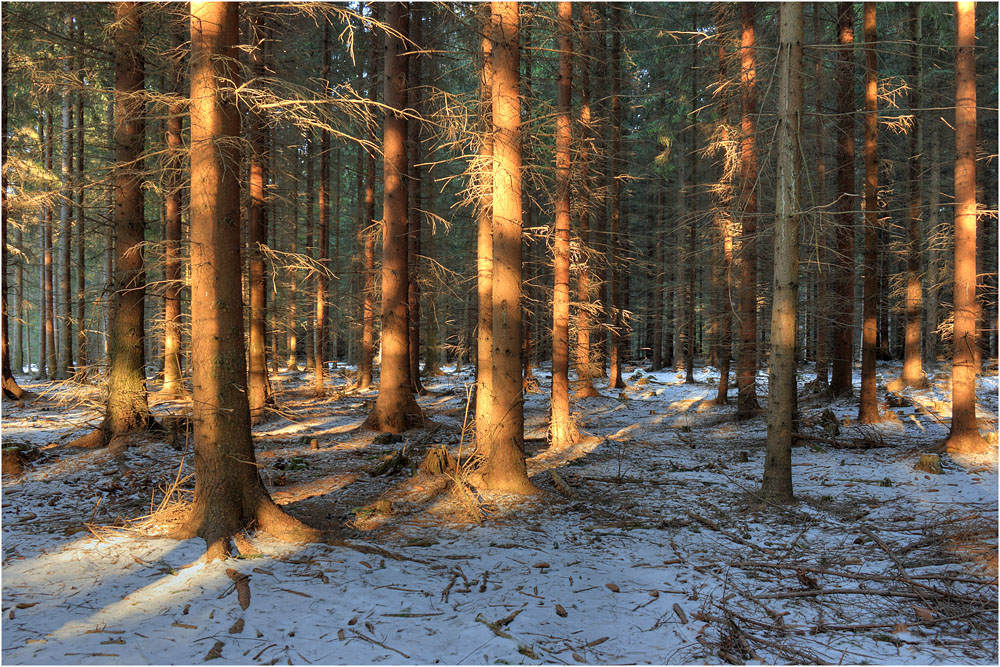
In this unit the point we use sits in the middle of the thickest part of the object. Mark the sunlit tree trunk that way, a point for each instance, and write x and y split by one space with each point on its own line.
964 436
746 358
868 408
310 248
484 251
777 484
504 468
913 372
841 381
395 408
585 276
368 262
171 242
229 496
563 431
292 336
724 228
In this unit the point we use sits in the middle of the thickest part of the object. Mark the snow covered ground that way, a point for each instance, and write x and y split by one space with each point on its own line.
660 552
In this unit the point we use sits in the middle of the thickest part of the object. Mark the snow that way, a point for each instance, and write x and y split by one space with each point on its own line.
665 555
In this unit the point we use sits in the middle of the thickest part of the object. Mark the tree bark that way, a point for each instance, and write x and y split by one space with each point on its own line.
64 359
172 383
964 436
822 305
395 408
504 468
746 359
841 380
563 431
777 484
414 213
323 243
484 252
616 315
585 276
913 372
50 312
81 257
259 392
229 495
368 303
868 408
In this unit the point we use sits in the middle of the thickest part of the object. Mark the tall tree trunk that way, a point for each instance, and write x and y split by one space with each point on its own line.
229 496
81 256
585 276
368 304
964 436
323 243
823 254
395 408
692 195
172 383
50 311
10 387
484 252
933 261
777 484
64 358
259 392
562 429
616 319
868 408
841 380
310 243
292 336
724 226
746 358
913 372
504 468
127 407
414 212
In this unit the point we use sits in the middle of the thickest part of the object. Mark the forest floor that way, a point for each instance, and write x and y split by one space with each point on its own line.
654 550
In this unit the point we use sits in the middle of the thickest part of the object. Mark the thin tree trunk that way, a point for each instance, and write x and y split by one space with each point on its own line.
746 359
258 385
50 311
310 248
368 304
689 350
868 408
395 408
172 384
616 319
932 282
777 483
64 358
563 431
822 305
964 436
724 227
81 257
585 276
913 372
841 380
323 250
414 212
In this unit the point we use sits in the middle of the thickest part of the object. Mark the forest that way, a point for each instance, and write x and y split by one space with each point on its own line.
500 332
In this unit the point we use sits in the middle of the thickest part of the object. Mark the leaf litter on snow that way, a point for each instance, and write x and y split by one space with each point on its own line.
661 552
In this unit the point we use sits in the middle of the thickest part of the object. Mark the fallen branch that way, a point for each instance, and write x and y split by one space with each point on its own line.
375 641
